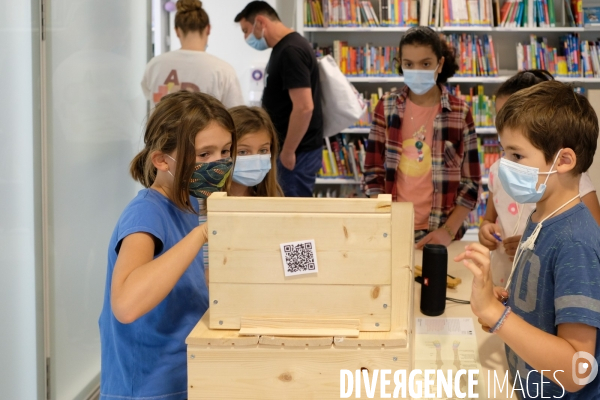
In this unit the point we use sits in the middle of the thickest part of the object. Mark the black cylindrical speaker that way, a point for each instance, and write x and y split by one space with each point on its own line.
433 289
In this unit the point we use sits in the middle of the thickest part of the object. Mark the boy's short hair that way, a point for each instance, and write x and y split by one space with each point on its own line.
552 117
255 8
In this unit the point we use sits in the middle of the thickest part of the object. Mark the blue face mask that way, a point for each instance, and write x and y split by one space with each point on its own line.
254 42
420 81
251 170
520 181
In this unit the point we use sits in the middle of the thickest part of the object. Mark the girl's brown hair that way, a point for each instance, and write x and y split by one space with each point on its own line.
190 16
425 36
523 80
173 125
255 119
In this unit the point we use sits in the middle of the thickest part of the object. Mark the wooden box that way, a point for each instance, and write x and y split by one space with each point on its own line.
267 336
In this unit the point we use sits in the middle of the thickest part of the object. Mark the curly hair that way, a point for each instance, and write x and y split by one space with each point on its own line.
425 36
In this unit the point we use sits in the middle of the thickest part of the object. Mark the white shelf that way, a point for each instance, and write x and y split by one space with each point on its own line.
337 181
355 131
498 29
466 79
471 235
399 79
359 29
582 80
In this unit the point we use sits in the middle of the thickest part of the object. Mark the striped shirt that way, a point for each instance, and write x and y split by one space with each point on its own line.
456 172
202 219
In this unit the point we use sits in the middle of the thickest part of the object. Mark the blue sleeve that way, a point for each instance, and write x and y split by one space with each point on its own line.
577 285
142 216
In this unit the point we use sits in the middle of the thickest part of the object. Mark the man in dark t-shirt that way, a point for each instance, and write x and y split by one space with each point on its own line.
291 96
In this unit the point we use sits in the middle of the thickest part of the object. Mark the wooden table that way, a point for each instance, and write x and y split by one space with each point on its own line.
491 348
232 366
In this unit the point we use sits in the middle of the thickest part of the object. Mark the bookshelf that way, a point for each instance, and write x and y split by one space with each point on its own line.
505 40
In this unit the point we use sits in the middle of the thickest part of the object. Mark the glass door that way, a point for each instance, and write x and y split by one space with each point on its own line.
95 54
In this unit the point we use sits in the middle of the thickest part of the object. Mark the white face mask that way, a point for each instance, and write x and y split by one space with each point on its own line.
256 43
520 181
420 81
251 170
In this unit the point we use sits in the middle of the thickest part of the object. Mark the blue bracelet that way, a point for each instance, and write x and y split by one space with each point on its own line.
500 322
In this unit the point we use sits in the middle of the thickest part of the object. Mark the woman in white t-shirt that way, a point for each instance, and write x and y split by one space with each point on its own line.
191 68
506 218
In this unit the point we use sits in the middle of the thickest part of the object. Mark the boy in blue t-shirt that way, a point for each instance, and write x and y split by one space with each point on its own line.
549 313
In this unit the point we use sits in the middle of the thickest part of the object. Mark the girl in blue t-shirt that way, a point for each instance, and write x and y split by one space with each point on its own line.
155 287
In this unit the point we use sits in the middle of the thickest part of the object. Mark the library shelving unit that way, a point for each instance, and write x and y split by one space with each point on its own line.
505 42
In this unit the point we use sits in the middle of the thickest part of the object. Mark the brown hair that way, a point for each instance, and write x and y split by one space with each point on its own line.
552 117
173 125
523 80
425 36
251 120
190 16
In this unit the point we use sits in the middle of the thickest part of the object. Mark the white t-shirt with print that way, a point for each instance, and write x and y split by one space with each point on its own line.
512 219
196 71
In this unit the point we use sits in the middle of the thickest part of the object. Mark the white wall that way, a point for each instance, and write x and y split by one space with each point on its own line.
594 98
21 326
227 40
97 51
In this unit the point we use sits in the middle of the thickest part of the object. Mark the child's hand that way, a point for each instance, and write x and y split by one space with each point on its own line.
439 236
501 295
511 244
484 302
486 235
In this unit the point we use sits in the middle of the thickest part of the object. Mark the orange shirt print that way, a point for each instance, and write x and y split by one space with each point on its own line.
172 85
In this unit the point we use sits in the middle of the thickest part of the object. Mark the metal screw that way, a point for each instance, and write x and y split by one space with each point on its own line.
385 235
395 358
215 301
220 322
192 356
376 323
214 232
384 306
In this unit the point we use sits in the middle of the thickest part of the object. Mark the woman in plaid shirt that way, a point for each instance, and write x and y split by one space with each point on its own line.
423 147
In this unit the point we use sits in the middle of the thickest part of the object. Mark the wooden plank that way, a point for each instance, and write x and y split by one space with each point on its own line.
220 202
299 323
300 332
402 265
232 301
265 232
279 372
291 341
201 335
368 267
373 339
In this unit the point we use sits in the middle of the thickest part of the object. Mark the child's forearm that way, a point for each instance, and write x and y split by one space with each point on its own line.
541 350
147 285
456 218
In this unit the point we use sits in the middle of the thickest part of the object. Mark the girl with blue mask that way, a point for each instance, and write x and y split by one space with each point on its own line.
422 147
156 289
255 173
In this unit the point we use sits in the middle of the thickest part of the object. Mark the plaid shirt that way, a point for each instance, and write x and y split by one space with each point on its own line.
455 160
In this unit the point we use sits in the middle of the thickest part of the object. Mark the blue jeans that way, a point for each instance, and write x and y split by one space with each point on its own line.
301 181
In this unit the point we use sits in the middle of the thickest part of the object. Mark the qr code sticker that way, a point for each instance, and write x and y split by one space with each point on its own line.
299 258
